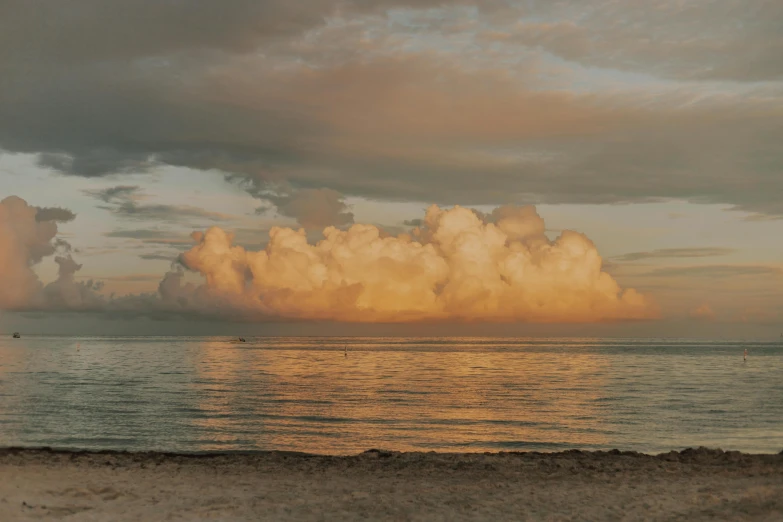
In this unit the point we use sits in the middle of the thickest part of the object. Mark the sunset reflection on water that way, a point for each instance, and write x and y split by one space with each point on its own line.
310 400
402 394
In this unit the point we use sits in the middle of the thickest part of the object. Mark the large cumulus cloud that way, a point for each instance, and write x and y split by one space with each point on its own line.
459 265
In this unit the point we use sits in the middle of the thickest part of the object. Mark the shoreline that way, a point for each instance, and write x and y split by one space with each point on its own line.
693 484
685 452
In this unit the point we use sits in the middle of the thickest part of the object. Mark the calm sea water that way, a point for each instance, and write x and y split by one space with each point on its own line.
304 394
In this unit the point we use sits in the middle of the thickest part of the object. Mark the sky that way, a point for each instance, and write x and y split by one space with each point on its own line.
392 167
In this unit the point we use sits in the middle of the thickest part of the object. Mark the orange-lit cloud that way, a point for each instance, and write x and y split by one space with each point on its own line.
23 242
27 235
458 265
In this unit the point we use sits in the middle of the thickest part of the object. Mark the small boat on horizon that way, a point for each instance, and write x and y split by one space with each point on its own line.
16 335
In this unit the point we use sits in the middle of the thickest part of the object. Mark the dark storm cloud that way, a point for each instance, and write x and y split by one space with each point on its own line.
109 87
665 253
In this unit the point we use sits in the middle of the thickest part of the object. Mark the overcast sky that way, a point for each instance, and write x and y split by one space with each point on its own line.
653 128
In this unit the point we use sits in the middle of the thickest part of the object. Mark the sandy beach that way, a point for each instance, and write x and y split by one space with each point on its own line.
702 484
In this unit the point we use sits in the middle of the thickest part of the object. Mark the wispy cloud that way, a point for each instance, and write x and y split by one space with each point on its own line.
125 202
666 253
144 233
134 278
60 215
120 192
158 256
167 213
152 236
716 271
763 217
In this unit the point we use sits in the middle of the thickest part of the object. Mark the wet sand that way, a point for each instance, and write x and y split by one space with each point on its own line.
376 485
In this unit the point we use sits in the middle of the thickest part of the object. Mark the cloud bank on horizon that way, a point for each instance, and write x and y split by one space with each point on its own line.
459 265
452 101
159 118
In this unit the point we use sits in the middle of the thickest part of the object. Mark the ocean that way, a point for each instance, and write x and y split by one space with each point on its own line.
197 394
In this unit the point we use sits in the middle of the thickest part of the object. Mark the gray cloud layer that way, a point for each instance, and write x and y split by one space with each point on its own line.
113 87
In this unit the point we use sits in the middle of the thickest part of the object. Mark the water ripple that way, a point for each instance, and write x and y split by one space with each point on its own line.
303 394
